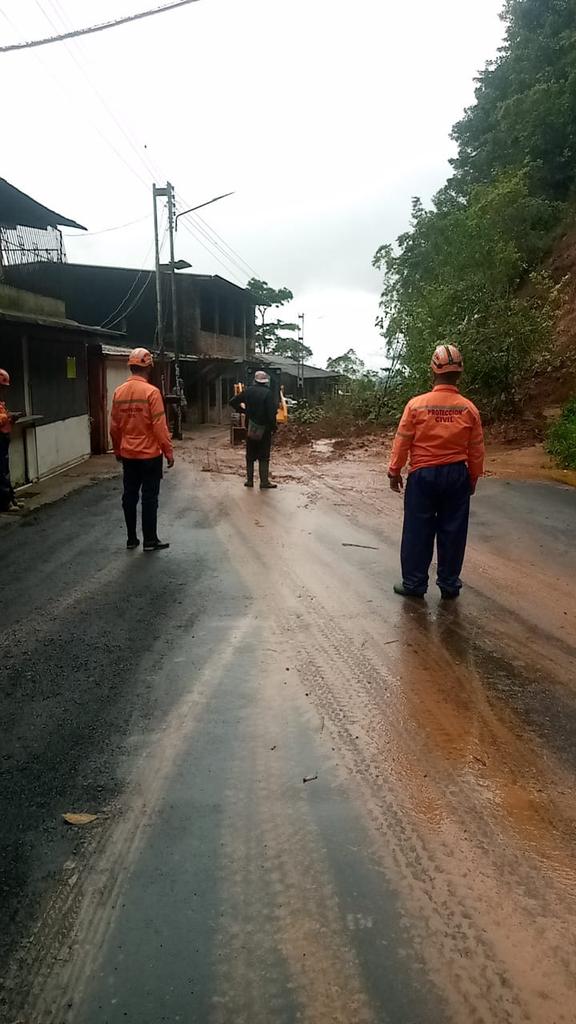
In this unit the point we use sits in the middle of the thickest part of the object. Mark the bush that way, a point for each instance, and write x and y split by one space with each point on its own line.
562 437
305 414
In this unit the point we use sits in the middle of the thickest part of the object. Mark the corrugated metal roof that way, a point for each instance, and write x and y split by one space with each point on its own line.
18 209
11 316
290 366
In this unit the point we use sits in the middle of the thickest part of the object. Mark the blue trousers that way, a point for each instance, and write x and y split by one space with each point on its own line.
436 508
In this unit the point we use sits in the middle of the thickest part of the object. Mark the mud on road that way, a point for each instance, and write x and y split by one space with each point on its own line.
425 873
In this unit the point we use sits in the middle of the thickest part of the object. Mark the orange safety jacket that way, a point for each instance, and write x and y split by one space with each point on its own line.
438 428
5 420
138 425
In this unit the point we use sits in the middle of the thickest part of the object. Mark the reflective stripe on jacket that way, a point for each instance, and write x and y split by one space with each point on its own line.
5 420
138 425
438 428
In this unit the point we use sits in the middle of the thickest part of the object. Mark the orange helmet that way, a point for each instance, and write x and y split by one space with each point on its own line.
4 377
140 357
447 359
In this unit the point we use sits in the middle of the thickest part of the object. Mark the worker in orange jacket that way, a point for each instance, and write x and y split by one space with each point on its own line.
8 501
140 437
441 434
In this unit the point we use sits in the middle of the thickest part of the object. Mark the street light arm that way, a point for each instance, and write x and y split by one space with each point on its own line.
201 206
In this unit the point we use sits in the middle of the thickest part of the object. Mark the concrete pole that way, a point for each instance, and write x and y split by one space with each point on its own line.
159 317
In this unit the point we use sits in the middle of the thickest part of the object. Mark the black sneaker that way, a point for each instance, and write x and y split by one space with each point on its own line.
449 595
156 545
132 543
268 486
249 483
402 591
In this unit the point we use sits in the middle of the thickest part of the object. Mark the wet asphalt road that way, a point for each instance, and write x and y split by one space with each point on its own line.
425 873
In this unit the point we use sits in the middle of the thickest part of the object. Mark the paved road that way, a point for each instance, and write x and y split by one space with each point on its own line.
427 871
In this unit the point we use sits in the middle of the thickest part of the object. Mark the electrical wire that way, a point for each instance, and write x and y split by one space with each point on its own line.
104 231
212 254
110 317
95 28
194 227
248 266
65 90
230 256
62 17
134 304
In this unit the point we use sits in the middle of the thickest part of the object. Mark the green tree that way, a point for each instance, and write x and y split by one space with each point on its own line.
291 348
269 333
348 364
525 110
469 269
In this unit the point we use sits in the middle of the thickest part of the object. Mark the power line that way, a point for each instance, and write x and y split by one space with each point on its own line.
133 305
215 245
229 247
66 92
106 321
96 28
104 231
212 254
61 14
211 237
228 253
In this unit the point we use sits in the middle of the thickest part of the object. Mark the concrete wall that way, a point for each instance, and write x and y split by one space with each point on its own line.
62 443
19 301
17 459
221 346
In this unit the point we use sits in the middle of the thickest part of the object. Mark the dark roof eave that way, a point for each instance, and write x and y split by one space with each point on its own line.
10 316
19 210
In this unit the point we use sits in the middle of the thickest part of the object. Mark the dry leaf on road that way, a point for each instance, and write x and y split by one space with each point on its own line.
79 819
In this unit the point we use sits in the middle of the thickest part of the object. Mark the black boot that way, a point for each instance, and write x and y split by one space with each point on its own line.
249 474
131 528
265 484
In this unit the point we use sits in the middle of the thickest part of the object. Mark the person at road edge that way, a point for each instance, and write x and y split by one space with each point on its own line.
441 434
260 410
140 437
8 501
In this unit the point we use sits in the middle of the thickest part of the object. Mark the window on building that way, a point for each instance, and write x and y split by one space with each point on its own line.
208 312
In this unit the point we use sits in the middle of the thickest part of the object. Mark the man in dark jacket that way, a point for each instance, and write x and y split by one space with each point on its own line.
260 409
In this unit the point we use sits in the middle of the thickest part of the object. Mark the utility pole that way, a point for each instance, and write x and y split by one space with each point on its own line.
175 319
159 315
301 355
167 191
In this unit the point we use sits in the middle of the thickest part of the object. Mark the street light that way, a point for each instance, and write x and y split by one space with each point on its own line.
178 265
168 191
200 207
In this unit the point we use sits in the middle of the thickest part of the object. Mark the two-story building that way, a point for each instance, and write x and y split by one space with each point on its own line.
216 324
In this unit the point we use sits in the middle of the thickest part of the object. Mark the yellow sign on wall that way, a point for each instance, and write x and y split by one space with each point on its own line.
71 368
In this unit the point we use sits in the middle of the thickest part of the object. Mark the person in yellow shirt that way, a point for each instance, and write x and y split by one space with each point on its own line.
441 435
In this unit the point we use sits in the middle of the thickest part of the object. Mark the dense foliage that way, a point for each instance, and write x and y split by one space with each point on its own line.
469 270
562 437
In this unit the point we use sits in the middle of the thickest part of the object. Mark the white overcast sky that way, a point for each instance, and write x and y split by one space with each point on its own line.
325 117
